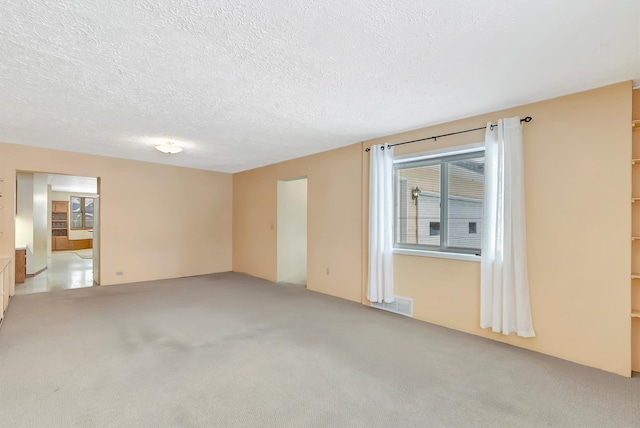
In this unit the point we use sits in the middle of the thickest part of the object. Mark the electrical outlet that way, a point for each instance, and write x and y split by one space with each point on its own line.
328 271
119 273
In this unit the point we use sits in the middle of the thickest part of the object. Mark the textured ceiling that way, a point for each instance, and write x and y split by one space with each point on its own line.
242 84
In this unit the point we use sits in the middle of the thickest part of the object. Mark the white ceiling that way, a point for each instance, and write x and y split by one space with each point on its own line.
242 84
72 183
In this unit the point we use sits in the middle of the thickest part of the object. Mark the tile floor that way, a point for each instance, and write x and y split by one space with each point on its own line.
66 269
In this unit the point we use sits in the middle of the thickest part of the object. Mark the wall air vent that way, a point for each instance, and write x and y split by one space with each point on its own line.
401 305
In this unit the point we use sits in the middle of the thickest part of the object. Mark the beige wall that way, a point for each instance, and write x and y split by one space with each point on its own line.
578 182
157 221
292 231
333 223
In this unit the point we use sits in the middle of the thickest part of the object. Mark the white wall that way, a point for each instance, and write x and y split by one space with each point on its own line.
24 197
292 231
49 208
24 210
40 223
32 219
24 215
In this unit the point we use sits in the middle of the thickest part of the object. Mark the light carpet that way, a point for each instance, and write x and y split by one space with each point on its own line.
232 350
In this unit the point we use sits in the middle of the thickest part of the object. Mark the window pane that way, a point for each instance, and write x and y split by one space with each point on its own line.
418 205
88 220
466 190
434 228
76 206
76 220
88 205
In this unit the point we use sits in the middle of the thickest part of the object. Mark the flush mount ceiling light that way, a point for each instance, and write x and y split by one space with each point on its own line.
169 148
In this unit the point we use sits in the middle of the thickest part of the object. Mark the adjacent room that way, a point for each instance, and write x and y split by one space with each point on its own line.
54 231
342 214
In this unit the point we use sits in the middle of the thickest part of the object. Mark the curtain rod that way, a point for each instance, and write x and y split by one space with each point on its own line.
434 138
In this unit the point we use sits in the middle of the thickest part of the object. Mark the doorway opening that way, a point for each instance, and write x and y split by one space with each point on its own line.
56 232
292 231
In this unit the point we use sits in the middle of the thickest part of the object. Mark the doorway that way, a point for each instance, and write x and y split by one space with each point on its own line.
292 231
56 225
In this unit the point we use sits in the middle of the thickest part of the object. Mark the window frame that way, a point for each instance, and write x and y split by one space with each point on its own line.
82 212
442 158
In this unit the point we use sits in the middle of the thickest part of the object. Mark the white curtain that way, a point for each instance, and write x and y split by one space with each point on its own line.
380 286
504 289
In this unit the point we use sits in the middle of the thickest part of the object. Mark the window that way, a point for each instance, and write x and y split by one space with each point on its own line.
434 228
439 203
81 212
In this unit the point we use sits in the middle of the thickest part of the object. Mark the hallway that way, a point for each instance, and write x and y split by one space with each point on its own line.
66 269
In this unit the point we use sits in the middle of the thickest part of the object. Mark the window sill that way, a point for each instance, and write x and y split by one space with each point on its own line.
437 254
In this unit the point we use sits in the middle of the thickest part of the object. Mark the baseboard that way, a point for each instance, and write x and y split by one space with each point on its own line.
31 275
